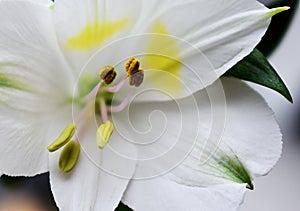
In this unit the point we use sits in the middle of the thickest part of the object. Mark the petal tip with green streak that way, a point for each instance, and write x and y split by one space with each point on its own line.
235 170
277 10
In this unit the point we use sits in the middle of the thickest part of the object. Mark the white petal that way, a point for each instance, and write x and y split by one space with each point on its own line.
86 188
85 26
187 53
205 127
25 137
31 74
163 133
23 144
249 145
162 194
31 62
47 3
251 139
34 81
98 180
204 39
253 132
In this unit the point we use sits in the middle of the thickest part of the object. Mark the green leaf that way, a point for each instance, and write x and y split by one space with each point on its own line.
256 68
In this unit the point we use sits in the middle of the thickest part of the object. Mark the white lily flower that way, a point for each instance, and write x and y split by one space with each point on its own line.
199 151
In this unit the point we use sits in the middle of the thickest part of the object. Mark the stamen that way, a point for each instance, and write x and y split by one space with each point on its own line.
137 78
104 133
108 74
70 153
122 105
69 156
64 137
103 110
132 66
134 72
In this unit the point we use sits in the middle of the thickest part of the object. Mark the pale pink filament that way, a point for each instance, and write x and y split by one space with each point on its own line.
122 105
116 88
81 119
94 92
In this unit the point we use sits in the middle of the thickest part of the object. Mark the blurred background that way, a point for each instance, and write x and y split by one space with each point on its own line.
278 191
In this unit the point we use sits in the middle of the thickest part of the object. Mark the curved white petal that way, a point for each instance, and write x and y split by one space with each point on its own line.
253 133
86 188
250 145
183 46
25 137
201 43
32 68
23 144
98 180
31 73
250 131
216 137
163 133
47 3
83 27
162 194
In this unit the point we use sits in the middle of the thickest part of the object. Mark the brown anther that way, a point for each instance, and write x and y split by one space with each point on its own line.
108 74
137 78
132 66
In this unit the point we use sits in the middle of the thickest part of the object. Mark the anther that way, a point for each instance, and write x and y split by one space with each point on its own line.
137 78
69 156
132 66
64 137
104 133
108 74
